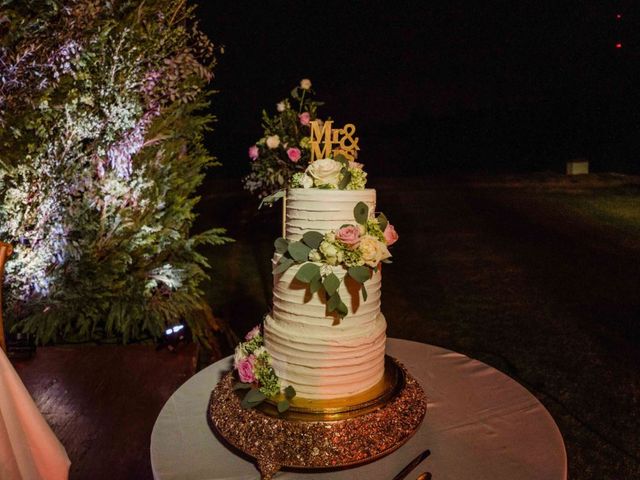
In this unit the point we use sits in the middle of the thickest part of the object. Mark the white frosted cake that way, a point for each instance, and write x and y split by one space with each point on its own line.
320 355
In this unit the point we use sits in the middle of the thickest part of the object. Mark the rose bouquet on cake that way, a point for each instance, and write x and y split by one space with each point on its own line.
360 248
281 158
284 147
252 364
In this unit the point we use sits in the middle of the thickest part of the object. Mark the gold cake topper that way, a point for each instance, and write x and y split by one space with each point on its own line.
326 141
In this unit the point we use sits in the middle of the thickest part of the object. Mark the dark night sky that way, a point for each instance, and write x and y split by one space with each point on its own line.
437 86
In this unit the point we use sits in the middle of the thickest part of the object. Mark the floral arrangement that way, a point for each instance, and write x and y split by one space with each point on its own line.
331 174
252 363
101 148
358 248
281 157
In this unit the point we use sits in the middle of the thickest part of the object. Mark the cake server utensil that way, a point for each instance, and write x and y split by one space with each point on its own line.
412 464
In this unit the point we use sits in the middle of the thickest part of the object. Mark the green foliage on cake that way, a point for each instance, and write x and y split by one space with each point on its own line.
358 248
101 150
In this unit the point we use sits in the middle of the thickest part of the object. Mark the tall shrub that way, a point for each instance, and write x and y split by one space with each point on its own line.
101 151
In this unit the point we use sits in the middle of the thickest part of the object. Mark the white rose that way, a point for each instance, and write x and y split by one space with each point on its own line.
330 237
273 141
281 106
305 84
307 181
328 249
373 250
324 172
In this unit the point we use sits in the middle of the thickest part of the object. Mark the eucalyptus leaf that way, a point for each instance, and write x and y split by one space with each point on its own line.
253 398
316 283
246 404
312 239
281 245
382 221
255 395
346 178
289 392
283 264
307 272
342 309
298 251
271 199
360 274
334 302
241 386
361 213
283 406
364 292
331 283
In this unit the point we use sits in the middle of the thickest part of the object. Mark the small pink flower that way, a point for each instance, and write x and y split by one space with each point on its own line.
252 333
245 369
349 235
305 118
294 154
390 235
253 152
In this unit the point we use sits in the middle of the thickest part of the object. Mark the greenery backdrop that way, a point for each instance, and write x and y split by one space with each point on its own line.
101 130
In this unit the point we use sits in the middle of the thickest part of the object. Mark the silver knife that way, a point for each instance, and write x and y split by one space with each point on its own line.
412 464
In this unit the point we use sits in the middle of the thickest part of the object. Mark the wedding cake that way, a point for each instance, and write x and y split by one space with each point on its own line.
324 338
320 356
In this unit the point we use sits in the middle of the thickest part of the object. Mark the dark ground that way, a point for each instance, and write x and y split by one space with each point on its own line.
512 271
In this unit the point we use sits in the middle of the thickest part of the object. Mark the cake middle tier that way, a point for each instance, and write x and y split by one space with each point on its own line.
295 306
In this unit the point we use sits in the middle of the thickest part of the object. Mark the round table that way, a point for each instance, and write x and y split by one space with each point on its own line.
480 425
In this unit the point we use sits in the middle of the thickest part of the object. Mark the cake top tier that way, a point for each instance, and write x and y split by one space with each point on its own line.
320 210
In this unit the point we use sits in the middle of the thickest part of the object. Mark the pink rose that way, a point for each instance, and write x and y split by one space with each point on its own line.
245 369
305 118
253 152
349 235
252 333
390 235
294 154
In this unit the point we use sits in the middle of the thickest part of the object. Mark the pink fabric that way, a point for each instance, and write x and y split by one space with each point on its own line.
29 450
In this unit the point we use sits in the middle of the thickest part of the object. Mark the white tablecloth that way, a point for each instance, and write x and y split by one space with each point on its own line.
28 448
480 425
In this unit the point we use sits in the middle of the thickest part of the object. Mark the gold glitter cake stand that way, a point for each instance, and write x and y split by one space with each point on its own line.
315 435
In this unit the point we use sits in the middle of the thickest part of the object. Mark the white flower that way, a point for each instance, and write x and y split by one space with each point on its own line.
259 351
328 249
281 106
373 250
325 171
239 355
325 270
273 141
314 255
330 236
307 181
305 84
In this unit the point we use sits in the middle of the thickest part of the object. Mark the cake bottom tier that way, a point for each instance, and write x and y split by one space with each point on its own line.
327 366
